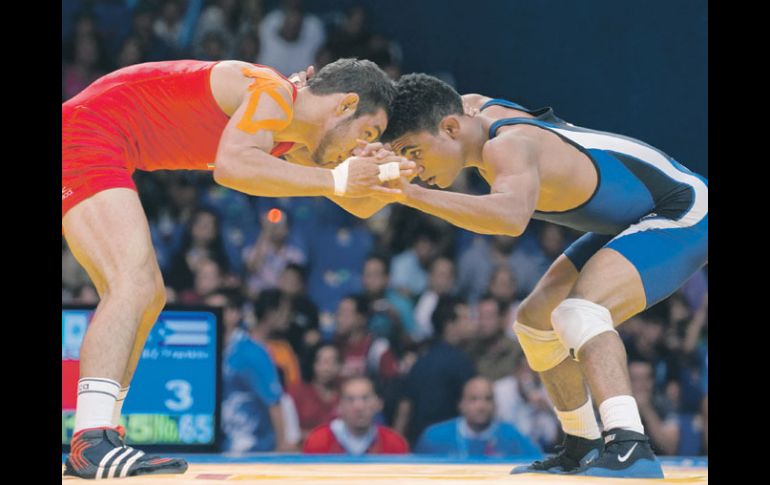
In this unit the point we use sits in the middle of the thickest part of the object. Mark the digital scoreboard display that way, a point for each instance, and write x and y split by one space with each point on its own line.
174 395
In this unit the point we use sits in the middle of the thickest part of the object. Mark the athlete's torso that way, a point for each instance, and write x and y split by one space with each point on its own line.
163 113
632 180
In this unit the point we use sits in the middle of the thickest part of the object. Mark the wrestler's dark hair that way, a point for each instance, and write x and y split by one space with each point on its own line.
348 75
421 102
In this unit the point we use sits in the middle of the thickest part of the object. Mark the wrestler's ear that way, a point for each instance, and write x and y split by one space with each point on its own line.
347 105
450 125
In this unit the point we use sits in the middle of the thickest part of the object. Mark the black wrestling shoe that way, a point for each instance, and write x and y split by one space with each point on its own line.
574 453
98 453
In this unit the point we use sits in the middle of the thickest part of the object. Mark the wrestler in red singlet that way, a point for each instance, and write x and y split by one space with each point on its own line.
166 115
153 116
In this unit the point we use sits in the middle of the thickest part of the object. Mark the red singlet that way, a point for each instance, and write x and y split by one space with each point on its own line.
152 116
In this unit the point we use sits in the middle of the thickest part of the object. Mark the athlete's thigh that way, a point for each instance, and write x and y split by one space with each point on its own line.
535 311
109 235
642 266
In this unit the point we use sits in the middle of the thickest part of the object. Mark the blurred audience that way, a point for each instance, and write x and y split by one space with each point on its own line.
390 311
409 269
657 409
317 400
86 66
290 37
496 355
527 262
440 283
231 303
476 432
523 402
252 419
433 386
303 334
362 353
201 241
504 289
354 431
272 323
266 259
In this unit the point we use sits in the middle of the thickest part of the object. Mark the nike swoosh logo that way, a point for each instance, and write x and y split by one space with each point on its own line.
590 457
623 458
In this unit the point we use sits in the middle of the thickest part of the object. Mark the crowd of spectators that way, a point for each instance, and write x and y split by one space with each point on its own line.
104 35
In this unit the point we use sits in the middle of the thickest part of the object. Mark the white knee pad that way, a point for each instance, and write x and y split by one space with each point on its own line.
542 348
576 321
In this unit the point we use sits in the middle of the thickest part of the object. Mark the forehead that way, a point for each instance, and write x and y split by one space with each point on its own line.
487 305
410 141
357 388
377 121
216 300
478 388
374 264
503 273
207 267
327 352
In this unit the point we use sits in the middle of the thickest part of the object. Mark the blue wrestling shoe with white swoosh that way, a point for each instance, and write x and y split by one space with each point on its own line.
627 454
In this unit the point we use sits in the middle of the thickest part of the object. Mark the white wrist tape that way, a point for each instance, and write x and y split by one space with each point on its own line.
340 174
389 171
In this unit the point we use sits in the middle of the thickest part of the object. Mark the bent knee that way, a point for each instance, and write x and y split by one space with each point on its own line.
143 288
576 321
534 314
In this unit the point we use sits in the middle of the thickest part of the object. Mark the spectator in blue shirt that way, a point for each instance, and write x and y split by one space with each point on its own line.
409 269
391 313
434 384
475 432
251 411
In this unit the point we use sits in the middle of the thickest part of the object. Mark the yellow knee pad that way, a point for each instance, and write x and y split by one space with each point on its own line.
543 349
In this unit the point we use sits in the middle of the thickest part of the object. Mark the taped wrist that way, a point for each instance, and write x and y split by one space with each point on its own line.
340 174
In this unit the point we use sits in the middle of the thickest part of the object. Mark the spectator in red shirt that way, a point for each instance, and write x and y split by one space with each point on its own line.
316 401
354 432
362 353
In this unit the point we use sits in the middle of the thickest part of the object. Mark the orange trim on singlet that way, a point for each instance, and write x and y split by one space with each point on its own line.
268 84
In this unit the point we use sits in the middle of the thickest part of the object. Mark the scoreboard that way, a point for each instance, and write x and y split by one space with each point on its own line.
174 395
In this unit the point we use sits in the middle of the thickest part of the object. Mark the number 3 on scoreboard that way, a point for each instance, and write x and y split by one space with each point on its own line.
182 392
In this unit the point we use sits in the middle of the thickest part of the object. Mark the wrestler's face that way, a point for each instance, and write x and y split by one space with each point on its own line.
338 142
439 156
